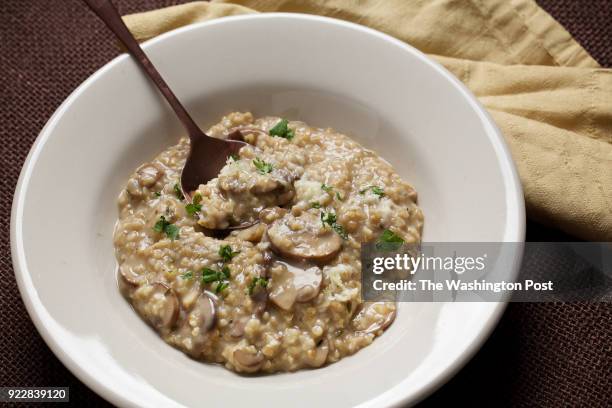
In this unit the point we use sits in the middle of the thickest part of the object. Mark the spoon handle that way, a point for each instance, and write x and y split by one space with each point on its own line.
109 14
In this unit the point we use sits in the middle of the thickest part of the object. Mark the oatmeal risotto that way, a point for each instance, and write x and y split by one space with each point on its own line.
283 294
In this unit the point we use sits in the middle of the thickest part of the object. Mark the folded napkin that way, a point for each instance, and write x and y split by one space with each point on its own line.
551 100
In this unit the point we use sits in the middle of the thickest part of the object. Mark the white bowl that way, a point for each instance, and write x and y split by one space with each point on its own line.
384 93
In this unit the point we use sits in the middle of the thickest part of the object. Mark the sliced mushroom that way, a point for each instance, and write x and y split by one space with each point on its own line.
318 357
304 238
163 306
130 275
260 300
238 326
284 296
309 290
380 324
294 283
203 312
148 174
248 361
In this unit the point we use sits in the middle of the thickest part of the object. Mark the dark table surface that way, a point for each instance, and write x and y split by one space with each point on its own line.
539 355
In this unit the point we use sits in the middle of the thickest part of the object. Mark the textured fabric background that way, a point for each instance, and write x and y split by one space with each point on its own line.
540 354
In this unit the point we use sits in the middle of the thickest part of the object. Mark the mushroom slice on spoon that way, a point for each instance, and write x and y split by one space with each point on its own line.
304 238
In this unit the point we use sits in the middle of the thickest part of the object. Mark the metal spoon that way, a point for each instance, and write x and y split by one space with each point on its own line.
207 155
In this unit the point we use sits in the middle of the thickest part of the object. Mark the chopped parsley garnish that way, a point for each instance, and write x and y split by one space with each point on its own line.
281 129
326 188
262 166
172 231
234 157
187 275
226 252
220 277
330 190
375 189
378 191
330 219
178 192
389 240
315 204
209 275
340 231
259 281
221 286
390 236
195 206
157 194
162 225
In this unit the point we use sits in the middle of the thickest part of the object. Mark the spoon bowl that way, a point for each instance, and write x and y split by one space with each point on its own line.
202 166
207 155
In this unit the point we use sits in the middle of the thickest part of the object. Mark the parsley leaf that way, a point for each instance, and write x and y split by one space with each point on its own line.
226 252
389 240
225 271
220 277
187 275
192 209
331 220
326 188
262 166
315 204
162 225
209 275
378 191
258 281
375 189
157 194
221 287
390 236
172 231
340 231
178 192
281 129
339 197
328 218
195 206
234 157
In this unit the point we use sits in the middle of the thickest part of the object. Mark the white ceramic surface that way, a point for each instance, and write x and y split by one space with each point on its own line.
326 72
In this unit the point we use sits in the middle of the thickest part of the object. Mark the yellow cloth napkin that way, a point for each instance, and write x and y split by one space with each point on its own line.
551 100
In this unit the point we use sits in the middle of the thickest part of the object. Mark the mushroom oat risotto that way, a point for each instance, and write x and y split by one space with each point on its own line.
283 294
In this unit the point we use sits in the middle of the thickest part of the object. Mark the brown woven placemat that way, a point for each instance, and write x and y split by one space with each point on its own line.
540 354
